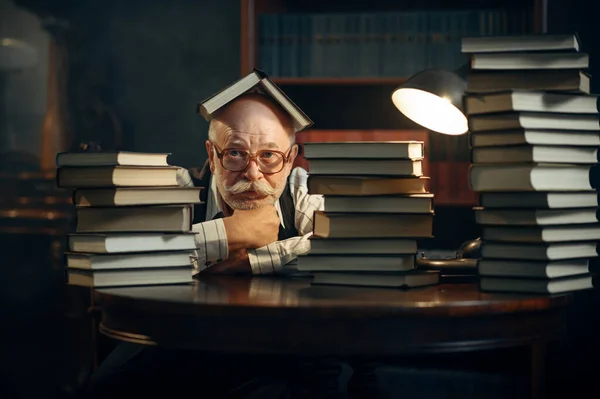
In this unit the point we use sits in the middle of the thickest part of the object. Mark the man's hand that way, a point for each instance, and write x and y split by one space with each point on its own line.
252 228
237 263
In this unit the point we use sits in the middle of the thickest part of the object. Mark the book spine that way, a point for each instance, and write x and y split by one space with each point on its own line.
284 45
423 42
433 40
264 43
407 47
295 39
306 44
275 43
317 32
402 54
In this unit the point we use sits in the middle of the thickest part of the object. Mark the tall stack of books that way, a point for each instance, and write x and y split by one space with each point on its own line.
133 220
534 149
376 207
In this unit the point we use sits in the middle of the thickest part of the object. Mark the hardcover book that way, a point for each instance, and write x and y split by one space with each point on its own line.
257 81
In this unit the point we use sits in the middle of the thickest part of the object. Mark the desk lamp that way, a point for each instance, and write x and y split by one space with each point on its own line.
433 98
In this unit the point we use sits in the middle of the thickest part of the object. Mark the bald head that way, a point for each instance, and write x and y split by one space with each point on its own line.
251 124
251 112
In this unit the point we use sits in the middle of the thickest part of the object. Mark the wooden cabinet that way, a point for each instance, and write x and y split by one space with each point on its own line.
358 107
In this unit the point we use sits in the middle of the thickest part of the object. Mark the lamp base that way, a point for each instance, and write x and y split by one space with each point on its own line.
461 269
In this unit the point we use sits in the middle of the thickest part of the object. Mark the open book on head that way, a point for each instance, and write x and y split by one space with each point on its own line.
255 81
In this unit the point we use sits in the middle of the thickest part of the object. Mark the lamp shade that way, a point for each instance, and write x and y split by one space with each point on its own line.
433 98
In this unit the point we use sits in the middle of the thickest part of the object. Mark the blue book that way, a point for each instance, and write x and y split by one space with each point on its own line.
305 45
318 35
289 50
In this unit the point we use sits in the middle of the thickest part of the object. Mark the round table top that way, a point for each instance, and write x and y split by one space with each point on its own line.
290 316
228 294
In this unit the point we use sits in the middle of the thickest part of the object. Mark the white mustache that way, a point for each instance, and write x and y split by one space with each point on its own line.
243 186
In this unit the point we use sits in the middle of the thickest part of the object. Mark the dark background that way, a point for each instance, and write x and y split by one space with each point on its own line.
137 70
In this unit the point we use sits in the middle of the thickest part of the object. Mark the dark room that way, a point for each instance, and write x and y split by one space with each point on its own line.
299 199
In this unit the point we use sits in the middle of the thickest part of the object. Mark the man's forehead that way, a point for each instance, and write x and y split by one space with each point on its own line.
236 142
251 105
239 138
253 110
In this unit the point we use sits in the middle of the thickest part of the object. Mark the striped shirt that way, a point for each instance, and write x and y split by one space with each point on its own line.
274 258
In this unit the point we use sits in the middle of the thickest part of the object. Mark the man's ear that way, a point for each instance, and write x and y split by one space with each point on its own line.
293 155
211 155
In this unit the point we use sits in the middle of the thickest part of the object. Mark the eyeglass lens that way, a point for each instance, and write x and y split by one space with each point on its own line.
268 161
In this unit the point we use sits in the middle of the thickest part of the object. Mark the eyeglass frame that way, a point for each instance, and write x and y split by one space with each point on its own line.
253 157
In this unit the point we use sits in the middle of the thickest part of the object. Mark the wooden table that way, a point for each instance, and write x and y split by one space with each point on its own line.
289 316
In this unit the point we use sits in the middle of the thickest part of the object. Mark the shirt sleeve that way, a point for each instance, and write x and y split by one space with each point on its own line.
211 238
275 257
211 244
183 178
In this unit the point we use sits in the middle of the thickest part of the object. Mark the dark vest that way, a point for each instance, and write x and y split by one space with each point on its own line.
201 178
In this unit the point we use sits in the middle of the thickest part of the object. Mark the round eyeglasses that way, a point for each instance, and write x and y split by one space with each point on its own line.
268 161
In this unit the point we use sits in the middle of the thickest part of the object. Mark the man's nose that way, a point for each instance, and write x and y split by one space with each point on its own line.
253 173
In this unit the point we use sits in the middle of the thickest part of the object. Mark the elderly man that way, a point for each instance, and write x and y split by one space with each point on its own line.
261 207
257 216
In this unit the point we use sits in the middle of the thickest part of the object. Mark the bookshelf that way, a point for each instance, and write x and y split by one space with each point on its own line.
351 107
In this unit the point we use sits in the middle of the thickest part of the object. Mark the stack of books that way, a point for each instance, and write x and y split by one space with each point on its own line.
376 206
534 150
133 220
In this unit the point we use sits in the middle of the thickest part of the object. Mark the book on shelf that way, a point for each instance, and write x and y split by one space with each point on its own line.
366 167
529 60
129 277
539 286
534 120
372 225
560 80
533 177
536 217
409 203
390 43
361 246
259 81
502 138
520 43
356 263
140 260
536 269
116 176
530 101
535 154
124 158
540 200
126 196
363 186
114 243
541 234
539 251
158 219
414 150
410 279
